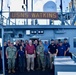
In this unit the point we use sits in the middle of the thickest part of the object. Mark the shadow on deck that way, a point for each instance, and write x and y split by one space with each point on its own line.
36 72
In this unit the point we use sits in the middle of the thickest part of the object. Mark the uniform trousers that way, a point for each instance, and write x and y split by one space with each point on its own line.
41 61
11 63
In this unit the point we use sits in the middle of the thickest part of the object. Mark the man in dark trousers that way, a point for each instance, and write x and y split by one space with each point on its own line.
67 46
35 60
5 46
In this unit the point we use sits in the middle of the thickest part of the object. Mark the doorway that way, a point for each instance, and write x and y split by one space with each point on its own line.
33 39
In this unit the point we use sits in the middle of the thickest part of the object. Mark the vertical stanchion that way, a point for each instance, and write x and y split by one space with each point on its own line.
27 10
3 51
32 22
72 5
2 28
9 15
61 7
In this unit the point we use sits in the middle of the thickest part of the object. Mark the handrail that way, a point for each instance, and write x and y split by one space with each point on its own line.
67 17
74 57
7 19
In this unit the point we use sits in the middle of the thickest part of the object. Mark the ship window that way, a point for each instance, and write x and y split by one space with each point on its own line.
74 42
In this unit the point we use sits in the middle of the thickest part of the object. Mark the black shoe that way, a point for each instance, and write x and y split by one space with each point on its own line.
43 69
38 68
32 69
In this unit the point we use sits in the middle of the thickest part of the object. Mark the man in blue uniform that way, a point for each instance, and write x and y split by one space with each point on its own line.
67 46
61 49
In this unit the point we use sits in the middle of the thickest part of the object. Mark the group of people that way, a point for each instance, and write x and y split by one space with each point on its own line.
33 55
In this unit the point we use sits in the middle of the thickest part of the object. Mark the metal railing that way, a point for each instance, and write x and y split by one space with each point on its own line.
74 57
67 17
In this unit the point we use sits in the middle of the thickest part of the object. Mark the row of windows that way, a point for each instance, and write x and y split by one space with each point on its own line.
74 42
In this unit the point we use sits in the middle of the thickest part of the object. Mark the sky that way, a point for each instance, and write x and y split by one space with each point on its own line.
16 5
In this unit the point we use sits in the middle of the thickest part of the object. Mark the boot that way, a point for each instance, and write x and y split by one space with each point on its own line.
38 68
43 69
13 71
9 71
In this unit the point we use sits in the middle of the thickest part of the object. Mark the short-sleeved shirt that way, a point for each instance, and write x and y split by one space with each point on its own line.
21 53
61 50
30 49
66 45
52 48
46 47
